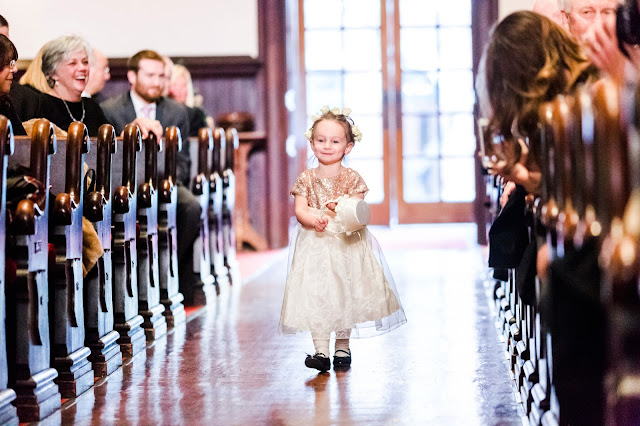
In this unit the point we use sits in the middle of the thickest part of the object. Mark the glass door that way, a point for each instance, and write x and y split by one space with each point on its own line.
404 68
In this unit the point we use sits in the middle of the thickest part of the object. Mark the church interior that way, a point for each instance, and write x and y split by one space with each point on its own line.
337 212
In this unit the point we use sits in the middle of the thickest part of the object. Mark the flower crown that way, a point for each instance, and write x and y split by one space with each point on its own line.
357 134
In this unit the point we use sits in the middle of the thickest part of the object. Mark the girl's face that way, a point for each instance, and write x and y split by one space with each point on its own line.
6 77
73 72
329 142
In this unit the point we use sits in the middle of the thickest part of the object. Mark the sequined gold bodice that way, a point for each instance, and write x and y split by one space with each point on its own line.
319 190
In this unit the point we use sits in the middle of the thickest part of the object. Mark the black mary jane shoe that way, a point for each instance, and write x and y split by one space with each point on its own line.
318 361
341 361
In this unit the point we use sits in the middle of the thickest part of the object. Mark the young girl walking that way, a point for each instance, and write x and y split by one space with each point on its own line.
338 283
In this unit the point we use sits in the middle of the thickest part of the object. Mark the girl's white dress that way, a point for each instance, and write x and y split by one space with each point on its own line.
337 283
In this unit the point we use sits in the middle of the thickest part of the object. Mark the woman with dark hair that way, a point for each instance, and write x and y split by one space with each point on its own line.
529 60
8 58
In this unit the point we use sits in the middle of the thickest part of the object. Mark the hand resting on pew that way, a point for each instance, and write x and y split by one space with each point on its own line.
147 126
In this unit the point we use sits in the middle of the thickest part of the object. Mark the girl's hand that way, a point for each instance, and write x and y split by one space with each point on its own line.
320 224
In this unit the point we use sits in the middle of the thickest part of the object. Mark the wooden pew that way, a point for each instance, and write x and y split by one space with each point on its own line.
216 251
149 306
101 338
30 372
202 288
541 391
125 257
619 255
228 202
170 295
8 413
69 355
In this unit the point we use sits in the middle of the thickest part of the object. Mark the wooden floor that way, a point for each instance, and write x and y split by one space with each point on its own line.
228 365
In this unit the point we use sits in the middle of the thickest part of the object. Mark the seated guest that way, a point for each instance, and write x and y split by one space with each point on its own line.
181 91
4 26
18 92
65 65
33 78
593 25
8 57
99 74
146 75
529 60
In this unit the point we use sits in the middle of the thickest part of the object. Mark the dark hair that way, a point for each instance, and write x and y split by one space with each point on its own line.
529 60
345 121
3 22
628 25
8 51
133 64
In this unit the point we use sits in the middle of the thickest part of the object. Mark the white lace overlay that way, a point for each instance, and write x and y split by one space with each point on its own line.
340 284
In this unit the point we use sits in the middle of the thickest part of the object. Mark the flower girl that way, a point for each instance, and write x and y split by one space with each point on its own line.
338 284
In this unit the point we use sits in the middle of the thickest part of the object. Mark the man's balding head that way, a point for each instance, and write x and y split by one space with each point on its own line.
550 9
579 16
99 73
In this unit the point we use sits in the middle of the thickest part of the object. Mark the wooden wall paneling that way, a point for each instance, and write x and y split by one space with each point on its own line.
272 35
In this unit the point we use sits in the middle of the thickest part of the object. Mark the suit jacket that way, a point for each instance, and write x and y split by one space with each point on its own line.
120 112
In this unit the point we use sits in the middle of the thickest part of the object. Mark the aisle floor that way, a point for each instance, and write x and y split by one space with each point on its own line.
229 366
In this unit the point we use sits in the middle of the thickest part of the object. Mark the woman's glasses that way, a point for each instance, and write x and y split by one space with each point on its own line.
11 64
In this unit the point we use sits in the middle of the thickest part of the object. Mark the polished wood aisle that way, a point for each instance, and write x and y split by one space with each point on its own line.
228 365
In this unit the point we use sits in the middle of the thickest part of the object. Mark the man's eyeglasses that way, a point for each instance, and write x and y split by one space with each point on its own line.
11 64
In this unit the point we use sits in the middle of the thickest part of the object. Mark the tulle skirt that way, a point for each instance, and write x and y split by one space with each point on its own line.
338 285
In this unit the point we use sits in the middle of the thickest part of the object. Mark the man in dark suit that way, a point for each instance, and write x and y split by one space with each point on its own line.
144 103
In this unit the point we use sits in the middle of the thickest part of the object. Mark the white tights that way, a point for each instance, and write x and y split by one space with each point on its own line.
321 343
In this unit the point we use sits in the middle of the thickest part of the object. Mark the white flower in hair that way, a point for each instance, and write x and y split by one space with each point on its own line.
346 111
315 117
307 134
336 111
357 134
325 109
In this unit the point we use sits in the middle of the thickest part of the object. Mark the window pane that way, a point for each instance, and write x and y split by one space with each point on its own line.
456 91
458 179
360 13
420 180
323 14
419 92
456 40
418 49
458 138
320 50
420 136
363 92
418 13
323 89
362 50
371 144
454 12
373 174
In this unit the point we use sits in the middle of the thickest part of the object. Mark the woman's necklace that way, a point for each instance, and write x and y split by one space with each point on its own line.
69 111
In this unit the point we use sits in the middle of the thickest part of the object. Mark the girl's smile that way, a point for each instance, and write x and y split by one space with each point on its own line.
330 142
